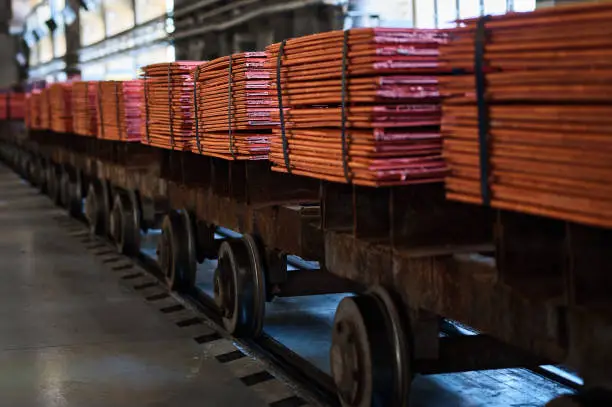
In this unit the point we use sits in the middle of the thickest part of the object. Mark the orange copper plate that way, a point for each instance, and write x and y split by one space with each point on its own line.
168 93
548 96
233 110
392 106
60 107
84 112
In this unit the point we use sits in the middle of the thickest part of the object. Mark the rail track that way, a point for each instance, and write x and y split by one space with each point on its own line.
314 381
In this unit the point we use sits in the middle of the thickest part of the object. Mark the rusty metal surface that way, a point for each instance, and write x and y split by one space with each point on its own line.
413 217
243 196
468 288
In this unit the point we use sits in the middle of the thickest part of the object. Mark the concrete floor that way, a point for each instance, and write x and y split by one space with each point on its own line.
72 335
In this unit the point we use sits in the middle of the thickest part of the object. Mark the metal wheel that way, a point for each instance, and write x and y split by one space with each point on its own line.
370 354
240 286
93 208
177 251
35 167
106 204
21 164
42 176
27 168
70 192
65 192
53 183
125 224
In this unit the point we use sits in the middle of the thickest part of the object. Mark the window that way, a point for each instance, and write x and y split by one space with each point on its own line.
59 41
46 49
440 13
92 24
147 10
495 6
524 5
57 6
447 13
34 55
94 71
120 67
159 53
469 8
425 16
119 16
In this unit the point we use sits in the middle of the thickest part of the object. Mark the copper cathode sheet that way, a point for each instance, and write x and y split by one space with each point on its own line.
392 108
548 97
234 107
84 112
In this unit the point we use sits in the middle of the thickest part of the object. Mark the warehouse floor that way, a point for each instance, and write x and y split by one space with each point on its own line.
71 334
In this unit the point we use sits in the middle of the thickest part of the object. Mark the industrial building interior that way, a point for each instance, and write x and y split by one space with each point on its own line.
291 203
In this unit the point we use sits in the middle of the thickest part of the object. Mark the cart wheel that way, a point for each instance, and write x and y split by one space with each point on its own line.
125 224
177 251
53 183
64 189
240 286
370 354
42 176
93 208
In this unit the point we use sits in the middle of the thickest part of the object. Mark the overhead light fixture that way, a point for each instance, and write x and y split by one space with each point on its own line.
51 24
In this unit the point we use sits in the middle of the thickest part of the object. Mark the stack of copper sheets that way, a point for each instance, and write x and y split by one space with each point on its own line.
45 109
32 116
12 105
60 102
548 97
84 112
169 104
119 110
233 112
391 106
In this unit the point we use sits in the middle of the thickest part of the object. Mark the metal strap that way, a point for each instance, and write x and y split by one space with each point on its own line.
102 133
117 111
344 95
483 108
196 77
170 111
86 102
281 112
229 108
146 95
